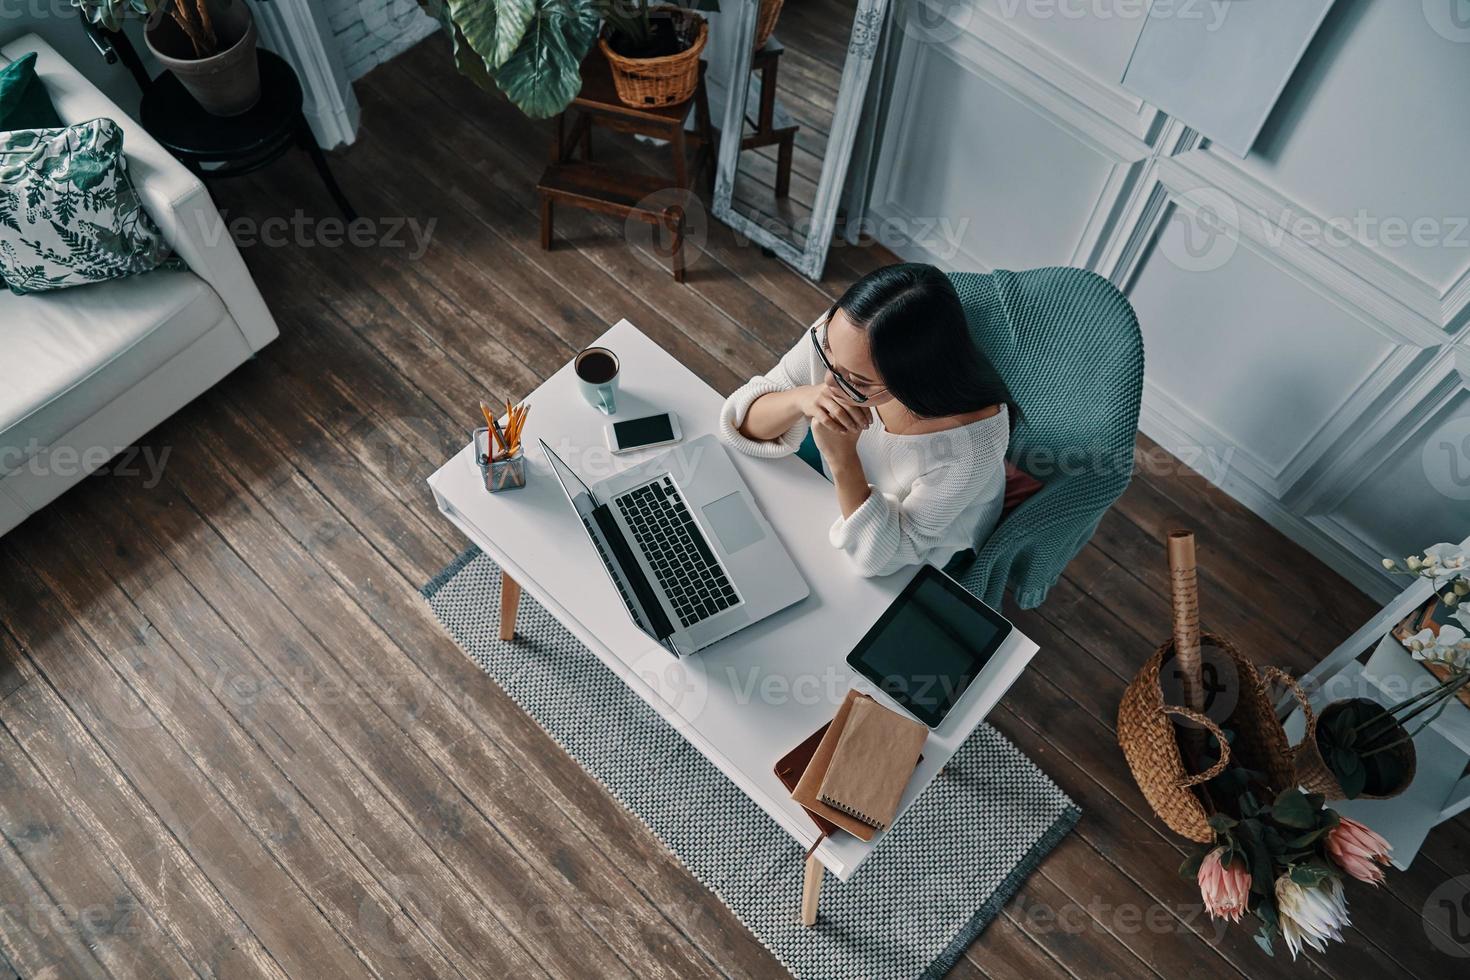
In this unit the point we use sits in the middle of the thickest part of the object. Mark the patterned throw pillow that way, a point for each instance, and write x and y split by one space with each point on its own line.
68 212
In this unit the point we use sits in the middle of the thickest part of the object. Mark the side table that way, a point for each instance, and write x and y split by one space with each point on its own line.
240 144
613 190
1440 790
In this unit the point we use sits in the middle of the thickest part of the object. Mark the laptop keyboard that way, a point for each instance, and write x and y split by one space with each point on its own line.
691 575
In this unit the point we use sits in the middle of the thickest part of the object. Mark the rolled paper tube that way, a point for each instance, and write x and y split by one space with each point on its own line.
1184 589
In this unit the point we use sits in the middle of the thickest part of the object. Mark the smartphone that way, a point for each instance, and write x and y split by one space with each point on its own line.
644 433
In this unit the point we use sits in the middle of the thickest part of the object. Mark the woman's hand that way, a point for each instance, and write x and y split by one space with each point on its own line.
822 403
838 445
838 442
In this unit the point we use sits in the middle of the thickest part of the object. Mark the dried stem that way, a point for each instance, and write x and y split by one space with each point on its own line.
207 23
180 15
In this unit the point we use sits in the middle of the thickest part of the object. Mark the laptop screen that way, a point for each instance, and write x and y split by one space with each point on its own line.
613 553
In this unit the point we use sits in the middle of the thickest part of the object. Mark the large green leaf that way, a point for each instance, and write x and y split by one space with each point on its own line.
544 74
111 13
1292 809
493 28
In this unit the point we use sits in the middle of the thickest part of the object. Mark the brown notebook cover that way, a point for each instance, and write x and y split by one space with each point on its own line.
810 782
791 765
873 763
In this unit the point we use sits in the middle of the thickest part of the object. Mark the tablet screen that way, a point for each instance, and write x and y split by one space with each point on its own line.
929 645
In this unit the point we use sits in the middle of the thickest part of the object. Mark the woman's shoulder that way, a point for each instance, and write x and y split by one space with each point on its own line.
967 455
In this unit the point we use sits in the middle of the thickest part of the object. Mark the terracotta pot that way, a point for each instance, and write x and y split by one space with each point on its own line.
225 84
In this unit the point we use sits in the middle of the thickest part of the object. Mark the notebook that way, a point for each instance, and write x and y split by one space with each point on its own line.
791 766
810 783
872 763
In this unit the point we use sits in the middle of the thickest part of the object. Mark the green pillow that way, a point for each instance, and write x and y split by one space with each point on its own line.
69 214
24 103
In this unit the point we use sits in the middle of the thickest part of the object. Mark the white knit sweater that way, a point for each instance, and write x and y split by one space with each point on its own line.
934 494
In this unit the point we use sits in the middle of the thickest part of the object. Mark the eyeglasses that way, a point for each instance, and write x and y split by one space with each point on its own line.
849 388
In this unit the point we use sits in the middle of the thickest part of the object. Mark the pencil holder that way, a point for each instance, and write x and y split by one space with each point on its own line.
498 474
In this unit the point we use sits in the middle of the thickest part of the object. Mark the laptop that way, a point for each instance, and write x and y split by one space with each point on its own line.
690 553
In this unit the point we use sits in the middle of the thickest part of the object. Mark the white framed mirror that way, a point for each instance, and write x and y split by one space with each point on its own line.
795 106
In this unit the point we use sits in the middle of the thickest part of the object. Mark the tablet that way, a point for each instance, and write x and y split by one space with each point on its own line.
929 645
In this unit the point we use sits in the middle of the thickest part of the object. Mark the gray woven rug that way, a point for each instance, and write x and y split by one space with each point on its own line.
933 885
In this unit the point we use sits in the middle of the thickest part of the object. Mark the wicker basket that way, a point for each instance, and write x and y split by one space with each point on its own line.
765 21
1149 739
643 82
1316 776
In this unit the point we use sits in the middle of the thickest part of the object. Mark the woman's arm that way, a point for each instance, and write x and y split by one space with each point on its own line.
767 416
882 534
838 445
774 413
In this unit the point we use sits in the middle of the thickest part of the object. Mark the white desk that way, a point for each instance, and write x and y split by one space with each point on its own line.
752 697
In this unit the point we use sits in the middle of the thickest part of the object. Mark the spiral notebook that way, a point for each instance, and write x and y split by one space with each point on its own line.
872 764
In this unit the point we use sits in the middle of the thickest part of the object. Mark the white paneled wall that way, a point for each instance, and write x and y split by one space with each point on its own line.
1305 309
369 32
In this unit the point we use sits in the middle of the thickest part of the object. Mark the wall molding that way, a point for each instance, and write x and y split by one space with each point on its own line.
1043 82
1416 308
298 31
1124 152
1351 558
1434 385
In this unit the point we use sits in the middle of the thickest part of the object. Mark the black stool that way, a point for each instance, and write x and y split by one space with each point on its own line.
239 144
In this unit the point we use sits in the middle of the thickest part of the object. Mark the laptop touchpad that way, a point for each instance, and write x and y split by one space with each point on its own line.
732 522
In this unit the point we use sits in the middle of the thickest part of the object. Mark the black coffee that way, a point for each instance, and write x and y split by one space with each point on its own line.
597 367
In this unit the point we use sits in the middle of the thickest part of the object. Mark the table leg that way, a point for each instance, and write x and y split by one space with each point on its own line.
677 244
510 601
546 219
587 138
308 142
811 890
768 96
783 165
704 129
681 160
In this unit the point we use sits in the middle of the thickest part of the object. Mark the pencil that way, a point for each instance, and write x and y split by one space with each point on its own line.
521 423
494 428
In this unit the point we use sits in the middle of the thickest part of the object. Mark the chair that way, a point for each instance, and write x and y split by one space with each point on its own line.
1066 343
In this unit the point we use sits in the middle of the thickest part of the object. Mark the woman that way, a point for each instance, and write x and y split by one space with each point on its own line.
912 421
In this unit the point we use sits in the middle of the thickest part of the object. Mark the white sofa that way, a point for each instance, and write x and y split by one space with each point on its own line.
86 371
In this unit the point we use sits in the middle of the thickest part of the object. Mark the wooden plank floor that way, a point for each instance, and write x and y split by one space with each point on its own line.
234 741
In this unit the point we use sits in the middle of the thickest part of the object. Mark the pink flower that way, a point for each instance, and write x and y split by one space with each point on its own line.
1358 850
1226 890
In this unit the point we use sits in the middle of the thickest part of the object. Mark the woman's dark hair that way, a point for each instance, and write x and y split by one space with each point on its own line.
920 341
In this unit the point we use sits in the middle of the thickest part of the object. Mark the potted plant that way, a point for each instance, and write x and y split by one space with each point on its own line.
1283 861
1358 747
209 45
1441 641
533 51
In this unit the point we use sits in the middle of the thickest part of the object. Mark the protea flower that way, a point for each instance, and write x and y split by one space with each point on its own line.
1310 914
1358 850
1226 890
